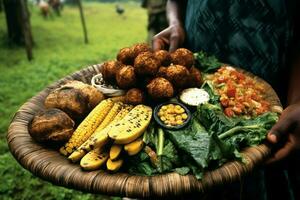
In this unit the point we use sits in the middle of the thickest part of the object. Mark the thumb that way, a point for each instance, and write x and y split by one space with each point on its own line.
279 130
281 153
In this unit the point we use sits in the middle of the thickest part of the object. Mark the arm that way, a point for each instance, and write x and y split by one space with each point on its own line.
288 127
173 36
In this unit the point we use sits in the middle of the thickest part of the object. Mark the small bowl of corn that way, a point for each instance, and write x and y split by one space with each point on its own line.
172 115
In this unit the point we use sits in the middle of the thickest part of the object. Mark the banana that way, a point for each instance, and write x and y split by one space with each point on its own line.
94 159
114 166
115 151
134 147
132 125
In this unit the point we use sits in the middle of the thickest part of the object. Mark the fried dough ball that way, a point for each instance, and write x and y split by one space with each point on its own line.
178 75
109 70
135 96
146 64
126 77
183 57
160 88
163 57
195 78
140 48
162 72
126 56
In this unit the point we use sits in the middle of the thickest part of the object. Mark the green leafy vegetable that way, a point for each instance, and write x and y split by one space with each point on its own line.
250 132
211 116
206 63
140 164
200 145
213 97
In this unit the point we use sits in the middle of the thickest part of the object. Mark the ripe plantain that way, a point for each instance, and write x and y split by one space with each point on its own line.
132 125
94 159
134 147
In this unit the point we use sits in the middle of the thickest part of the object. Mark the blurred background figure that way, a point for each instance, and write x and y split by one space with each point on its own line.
119 9
56 5
157 19
44 8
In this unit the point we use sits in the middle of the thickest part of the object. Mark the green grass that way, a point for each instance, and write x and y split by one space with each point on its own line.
58 51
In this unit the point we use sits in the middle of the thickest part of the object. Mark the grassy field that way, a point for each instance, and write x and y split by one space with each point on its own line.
58 51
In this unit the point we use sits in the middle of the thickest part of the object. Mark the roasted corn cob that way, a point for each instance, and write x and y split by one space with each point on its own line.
87 127
99 138
110 116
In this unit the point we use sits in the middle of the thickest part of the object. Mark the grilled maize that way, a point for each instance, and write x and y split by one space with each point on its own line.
110 116
99 138
87 127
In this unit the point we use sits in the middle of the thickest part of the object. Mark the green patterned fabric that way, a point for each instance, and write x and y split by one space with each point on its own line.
254 35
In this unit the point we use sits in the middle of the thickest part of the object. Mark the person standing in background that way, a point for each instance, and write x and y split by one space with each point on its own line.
157 19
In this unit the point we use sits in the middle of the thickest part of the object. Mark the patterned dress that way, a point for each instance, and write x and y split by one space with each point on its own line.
255 35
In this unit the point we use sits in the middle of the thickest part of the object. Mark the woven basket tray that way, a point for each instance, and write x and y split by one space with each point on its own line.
51 166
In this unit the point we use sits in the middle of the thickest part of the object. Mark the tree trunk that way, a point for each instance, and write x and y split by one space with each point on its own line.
83 22
26 29
1 6
12 10
18 24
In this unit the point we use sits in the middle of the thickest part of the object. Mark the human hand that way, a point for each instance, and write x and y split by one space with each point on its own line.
172 38
286 130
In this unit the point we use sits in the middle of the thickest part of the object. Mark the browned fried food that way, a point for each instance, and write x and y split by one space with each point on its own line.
183 57
135 96
126 56
75 98
160 88
52 126
163 57
178 75
140 48
195 78
126 77
162 72
109 70
146 64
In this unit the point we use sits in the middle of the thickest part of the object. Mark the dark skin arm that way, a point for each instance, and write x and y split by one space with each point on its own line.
288 127
172 37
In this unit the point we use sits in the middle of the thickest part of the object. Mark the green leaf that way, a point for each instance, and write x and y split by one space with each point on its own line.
182 170
206 63
213 97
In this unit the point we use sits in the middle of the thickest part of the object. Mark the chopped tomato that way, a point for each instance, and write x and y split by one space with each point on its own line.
231 92
229 112
224 102
254 96
221 79
239 93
